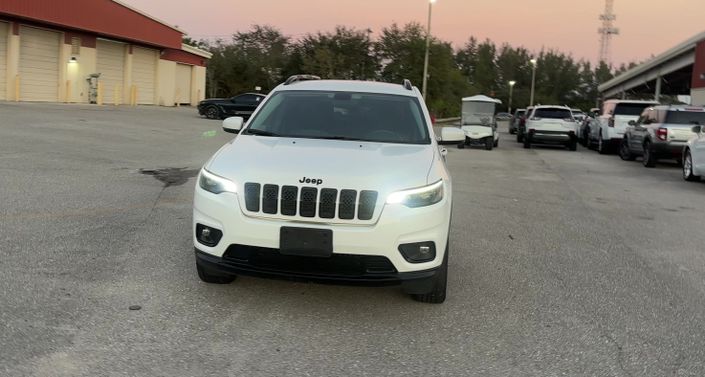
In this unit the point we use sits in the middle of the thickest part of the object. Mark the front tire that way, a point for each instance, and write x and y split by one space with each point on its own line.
212 112
573 145
489 143
624 152
649 157
688 168
496 143
209 277
437 295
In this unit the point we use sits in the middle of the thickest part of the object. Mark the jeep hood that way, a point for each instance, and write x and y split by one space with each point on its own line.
383 167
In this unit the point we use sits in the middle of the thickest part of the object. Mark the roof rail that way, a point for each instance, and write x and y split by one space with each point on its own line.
407 84
297 78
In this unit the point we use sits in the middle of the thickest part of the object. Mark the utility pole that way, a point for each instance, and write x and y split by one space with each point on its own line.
428 46
511 93
533 62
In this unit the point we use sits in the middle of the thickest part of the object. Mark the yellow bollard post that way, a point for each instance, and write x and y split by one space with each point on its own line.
116 94
99 100
178 97
67 97
137 92
17 88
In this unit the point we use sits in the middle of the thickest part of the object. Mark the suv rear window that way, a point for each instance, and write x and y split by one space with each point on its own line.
633 109
371 117
553 113
686 117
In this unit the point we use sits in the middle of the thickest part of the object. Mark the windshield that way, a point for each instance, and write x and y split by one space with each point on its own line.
341 115
478 113
685 117
478 108
631 109
553 113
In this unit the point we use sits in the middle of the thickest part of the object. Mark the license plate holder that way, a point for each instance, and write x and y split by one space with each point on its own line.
306 242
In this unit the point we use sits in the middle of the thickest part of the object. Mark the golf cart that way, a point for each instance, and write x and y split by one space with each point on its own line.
478 125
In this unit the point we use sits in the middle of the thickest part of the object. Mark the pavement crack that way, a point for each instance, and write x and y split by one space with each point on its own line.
620 352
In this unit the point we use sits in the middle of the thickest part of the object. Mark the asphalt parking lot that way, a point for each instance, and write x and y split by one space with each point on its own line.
562 263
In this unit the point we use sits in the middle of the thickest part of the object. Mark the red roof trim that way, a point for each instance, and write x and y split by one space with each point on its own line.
102 17
181 56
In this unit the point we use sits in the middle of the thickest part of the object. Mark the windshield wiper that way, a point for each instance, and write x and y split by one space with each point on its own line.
254 131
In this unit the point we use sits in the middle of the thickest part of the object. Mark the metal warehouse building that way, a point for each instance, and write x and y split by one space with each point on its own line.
49 48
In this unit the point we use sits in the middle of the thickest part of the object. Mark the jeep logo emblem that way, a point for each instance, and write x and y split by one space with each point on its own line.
311 180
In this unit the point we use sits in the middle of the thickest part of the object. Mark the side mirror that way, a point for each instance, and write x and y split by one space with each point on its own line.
233 124
444 153
632 123
697 129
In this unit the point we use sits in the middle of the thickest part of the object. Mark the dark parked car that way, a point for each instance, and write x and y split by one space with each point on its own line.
242 105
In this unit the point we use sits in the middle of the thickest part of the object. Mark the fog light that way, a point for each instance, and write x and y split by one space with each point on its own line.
207 235
418 252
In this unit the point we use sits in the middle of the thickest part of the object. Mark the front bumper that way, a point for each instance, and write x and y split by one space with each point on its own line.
339 269
396 225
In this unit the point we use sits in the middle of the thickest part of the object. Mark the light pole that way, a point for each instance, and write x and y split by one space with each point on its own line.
428 46
511 92
533 80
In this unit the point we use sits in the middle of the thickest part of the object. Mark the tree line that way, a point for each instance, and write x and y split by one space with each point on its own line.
264 57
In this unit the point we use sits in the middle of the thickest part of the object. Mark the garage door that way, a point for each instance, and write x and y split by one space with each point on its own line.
111 66
183 83
144 70
3 60
39 65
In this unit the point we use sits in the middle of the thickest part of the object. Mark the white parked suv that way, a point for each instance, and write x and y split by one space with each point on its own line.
607 130
551 125
337 181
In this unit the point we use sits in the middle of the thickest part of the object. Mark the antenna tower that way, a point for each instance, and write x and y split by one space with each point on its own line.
607 31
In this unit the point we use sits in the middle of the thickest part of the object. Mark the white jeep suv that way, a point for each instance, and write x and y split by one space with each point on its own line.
551 125
329 180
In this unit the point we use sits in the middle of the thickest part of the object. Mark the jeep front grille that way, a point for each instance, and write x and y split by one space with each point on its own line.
310 202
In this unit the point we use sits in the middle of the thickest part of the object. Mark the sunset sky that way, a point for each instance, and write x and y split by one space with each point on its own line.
647 26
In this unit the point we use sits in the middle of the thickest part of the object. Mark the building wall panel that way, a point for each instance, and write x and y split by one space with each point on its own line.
144 72
4 31
183 84
699 66
39 64
111 66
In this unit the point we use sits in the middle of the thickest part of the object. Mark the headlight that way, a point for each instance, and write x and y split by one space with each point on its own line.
418 197
215 184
